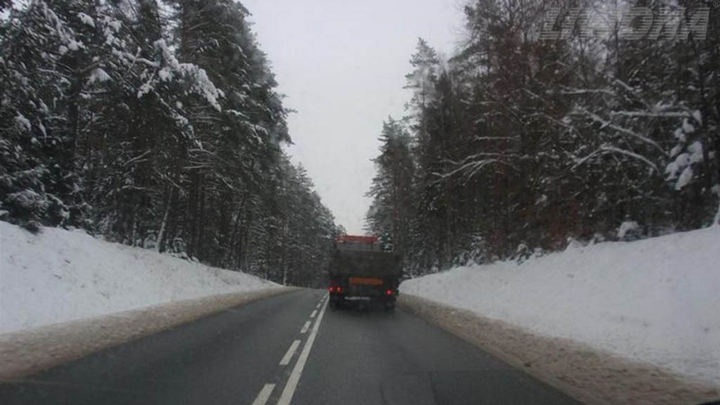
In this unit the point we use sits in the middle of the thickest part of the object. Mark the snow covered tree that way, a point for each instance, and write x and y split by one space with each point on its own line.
155 129
521 141
392 190
43 72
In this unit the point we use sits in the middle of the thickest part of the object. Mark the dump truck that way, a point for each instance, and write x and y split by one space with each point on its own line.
363 273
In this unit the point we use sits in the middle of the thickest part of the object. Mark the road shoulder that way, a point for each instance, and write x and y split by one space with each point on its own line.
26 352
589 375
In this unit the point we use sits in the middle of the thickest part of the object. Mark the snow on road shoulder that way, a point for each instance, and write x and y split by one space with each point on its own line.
653 300
61 275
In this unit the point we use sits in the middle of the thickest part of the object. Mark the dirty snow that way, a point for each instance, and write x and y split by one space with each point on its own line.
27 351
592 377
62 275
654 301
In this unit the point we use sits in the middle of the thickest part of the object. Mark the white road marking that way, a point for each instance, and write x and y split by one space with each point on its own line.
305 327
264 394
313 314
291 351
292 383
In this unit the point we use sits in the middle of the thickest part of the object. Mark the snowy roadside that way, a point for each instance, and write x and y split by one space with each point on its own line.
28 351
59 276
653 301
592 376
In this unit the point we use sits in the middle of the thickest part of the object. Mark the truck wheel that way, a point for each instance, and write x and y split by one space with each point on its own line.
390 306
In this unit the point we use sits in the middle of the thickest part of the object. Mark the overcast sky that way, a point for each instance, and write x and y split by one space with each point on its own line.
342 66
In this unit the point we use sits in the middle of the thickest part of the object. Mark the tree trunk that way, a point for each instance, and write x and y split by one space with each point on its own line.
161 234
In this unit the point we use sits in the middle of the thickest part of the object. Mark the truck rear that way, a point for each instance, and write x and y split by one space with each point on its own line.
362 272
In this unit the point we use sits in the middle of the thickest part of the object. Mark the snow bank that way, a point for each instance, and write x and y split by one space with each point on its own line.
655 300
61 275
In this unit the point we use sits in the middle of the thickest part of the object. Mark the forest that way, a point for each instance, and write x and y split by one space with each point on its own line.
158 124
155 124
515 145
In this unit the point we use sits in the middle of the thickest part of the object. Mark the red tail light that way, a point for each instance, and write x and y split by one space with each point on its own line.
335 289
389 292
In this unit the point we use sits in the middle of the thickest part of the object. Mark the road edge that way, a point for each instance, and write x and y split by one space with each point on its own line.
588 375
26 352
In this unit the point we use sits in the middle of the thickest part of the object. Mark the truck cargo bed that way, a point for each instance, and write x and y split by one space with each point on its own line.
365 264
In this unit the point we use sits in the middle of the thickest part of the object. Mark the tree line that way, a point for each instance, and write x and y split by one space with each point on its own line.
155 124
516 144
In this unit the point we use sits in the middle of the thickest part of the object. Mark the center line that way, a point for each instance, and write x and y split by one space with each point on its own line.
313 314
291 351
305 327
294 378
264 394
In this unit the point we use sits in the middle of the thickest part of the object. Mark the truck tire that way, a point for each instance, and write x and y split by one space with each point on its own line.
389 306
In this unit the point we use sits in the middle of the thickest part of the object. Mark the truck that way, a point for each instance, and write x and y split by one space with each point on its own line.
363 273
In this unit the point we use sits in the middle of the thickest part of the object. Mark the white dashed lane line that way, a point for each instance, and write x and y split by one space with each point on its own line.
264 394
294 378
291 351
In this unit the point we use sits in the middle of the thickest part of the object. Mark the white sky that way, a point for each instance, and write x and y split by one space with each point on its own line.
342 66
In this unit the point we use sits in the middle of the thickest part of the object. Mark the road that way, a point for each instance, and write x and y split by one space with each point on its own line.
289 349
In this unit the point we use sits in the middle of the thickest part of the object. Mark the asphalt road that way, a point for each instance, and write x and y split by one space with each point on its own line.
289 349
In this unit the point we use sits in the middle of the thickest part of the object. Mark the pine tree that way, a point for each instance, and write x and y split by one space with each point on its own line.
155 130
392 188
522 143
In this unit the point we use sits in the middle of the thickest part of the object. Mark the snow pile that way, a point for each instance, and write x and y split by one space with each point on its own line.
655 300
626 228
61 275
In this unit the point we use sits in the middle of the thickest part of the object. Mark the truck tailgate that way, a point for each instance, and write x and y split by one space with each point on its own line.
366 281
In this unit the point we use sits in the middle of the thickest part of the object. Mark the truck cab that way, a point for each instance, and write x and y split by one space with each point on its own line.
362 272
